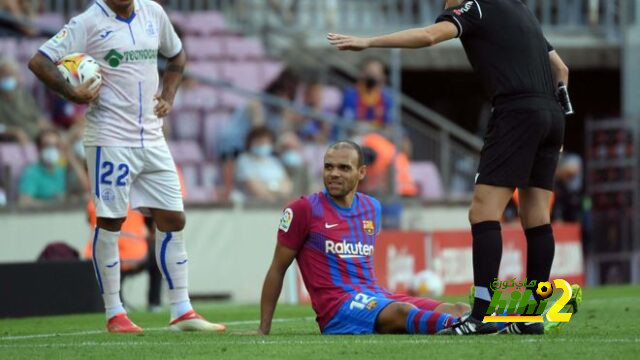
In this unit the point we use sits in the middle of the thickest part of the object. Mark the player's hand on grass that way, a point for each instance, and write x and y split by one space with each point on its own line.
85 92
163 107
347 42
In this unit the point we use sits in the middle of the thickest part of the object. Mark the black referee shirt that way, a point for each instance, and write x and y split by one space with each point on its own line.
505 45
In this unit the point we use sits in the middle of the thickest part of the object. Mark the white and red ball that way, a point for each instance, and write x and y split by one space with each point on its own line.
78 68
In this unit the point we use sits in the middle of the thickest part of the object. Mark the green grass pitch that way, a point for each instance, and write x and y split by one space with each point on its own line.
606 327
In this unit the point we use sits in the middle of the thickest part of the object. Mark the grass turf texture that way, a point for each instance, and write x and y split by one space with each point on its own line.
606 327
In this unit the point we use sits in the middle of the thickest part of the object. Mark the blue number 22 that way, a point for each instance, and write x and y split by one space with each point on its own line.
108 167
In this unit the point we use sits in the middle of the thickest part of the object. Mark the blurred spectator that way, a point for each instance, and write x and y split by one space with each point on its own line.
369 101
44 181
20 116
232 139
289 148
64 113
23 10
385 153
568 189
260 173
309 128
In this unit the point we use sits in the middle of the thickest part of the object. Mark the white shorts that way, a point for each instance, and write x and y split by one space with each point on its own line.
146 177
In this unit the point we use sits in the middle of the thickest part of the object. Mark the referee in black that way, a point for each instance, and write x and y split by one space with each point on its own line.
522 73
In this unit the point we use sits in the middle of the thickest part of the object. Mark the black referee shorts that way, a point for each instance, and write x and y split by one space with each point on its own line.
522 144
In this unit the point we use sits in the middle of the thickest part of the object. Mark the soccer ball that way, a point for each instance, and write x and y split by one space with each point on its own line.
544 289
427 284
78 68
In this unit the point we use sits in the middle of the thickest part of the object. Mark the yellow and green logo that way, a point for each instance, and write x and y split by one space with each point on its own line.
519 301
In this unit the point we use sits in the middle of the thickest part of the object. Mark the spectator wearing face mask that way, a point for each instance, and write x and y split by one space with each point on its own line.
369 101
45 180
261 174
20 116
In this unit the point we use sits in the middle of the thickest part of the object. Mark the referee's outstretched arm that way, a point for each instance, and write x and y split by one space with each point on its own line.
409 39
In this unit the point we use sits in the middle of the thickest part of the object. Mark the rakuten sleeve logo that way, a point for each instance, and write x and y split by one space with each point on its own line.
348 250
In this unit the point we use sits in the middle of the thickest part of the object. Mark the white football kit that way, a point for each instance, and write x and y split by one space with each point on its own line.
127 155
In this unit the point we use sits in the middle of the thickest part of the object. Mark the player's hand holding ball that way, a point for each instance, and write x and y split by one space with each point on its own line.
162 108
82 72
347 42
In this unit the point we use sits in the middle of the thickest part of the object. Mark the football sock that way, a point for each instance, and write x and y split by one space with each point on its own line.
171 256
487 252
428 322
106 263
540 252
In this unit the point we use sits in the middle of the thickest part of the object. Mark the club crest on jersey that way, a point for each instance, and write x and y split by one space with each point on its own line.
108 195
150 28
285 219
372 305
368 227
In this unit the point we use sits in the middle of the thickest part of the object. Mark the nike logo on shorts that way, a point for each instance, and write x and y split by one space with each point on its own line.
329 226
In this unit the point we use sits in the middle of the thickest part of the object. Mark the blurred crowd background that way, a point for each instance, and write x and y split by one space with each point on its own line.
264 96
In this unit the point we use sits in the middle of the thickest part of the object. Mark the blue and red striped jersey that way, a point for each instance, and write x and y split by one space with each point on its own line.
335 248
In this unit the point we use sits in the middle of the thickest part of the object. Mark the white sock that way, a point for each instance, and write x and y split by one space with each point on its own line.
106 263
171 256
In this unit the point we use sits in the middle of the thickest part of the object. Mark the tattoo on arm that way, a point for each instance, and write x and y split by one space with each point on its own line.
49 74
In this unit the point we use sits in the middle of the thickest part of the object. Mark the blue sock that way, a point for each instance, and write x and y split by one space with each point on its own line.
428 322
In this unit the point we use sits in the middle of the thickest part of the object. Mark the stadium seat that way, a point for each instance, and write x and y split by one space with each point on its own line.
427 176
13 159
50 21
245 75
186 152
204 48
196 98
28 47
8 45
204 23
186 124
207 69
244 48
270 70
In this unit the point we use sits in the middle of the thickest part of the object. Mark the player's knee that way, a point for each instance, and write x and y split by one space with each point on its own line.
110 224
175 221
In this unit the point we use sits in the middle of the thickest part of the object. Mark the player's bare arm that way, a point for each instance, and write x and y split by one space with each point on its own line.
451 3
282 258
170 83
559 68
49 74
409 39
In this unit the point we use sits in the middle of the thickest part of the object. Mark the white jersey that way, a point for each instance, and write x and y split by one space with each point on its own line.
127 51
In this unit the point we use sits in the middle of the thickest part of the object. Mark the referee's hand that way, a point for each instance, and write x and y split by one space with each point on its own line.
162 108
347 42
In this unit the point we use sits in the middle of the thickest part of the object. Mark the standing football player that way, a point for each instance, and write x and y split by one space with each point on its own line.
522 73
332 235
127 156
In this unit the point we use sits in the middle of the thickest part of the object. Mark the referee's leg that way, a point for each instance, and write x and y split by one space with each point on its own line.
487 207
535 214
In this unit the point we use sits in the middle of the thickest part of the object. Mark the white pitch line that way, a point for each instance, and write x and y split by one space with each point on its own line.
95 332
